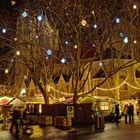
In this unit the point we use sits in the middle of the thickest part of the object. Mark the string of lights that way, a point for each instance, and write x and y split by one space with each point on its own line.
103 89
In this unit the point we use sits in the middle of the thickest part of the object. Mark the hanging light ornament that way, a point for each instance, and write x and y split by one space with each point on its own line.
95 26
49 52
4 30
17 53
134 6
135 41
24 14
83 22
13 2
126 40
39 17
75 46
63 60
117 20
6 71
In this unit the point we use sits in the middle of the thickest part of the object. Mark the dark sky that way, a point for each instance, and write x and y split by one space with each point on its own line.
5 4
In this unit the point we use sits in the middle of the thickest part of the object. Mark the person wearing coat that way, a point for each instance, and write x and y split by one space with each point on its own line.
117 114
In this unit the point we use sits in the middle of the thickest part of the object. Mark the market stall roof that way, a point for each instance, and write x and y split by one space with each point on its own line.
26 100
105 98
5 99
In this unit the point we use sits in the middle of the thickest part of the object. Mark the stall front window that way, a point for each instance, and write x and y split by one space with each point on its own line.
31 108
104 105
40 108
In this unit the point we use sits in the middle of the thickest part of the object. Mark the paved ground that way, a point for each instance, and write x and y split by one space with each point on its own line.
111 132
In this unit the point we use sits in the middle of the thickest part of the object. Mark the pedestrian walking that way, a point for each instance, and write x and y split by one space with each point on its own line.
131 113
16 116
117 114
125 113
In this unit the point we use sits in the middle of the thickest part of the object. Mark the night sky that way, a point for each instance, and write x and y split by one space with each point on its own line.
6 4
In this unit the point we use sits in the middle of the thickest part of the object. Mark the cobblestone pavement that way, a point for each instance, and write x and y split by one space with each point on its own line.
111 132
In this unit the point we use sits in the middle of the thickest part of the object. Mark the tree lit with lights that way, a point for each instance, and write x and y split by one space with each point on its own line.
70 36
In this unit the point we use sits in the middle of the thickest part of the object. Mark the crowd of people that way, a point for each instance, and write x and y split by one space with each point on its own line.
128 113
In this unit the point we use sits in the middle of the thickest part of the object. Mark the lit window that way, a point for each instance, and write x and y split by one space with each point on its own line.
104 105
40 108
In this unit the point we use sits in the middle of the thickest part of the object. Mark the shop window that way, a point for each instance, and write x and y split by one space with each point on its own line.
31 108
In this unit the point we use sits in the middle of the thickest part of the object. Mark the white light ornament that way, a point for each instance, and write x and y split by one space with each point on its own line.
126 40
100 64
95 26
24 14
121 34
49 52
117 20
75 46
66 42
39 17
4 30
63 60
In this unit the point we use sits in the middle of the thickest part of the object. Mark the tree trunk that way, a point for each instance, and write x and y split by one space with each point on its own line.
75 98
43 91
46 98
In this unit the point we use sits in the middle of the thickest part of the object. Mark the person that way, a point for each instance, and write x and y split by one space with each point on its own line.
138 110
125 112
24 117
117 113
131 113
16 116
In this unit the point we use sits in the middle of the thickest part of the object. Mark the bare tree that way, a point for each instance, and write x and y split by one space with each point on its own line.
89 31
78 34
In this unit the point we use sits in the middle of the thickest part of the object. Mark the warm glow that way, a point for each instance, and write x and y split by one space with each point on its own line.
75 46
134 6
135 41
25 77
13 2
23 91
6 71
84 22
15 38
18 53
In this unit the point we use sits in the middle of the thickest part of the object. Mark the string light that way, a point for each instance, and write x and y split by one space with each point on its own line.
114 88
